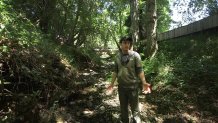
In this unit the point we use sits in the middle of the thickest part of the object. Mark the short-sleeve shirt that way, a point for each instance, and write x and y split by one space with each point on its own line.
127 74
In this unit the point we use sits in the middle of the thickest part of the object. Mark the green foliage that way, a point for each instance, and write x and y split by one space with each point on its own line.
186 58
200 5
18 54
15 27
192 10
35 72
163 15
188 65
159 70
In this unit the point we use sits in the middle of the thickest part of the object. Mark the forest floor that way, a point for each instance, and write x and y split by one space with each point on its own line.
90 103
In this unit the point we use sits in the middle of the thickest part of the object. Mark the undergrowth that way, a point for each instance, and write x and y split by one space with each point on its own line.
184 74
34 72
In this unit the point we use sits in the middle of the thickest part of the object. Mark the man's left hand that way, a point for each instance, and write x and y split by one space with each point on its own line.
146 88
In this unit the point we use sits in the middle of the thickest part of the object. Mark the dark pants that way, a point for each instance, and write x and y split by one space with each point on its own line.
129 97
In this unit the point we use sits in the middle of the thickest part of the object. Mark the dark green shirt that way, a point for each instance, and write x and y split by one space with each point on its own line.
127 72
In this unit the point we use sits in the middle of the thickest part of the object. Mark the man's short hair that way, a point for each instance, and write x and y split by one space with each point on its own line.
126 38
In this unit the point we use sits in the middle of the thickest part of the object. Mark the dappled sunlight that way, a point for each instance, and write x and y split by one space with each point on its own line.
89 72
165 70
65 62
88 113
88 90
56 64
114 102
192 118
105 56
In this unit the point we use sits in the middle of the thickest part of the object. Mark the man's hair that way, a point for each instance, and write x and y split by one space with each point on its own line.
126 38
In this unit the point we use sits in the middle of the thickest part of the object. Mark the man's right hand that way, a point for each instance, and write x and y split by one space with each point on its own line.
109 89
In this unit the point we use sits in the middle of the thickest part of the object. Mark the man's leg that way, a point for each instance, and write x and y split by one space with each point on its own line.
123 97
134 104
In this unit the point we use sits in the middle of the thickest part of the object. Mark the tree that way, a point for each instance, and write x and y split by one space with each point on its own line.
200 5
193 10
212 7
151 25
163 15
134 29
163 21
38 11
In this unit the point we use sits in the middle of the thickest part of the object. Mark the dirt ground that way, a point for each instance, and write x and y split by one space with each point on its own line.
91 104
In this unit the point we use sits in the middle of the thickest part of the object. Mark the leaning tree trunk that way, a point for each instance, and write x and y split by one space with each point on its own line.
151 24
134 29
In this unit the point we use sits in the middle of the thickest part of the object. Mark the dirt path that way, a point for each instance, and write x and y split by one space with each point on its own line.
90 104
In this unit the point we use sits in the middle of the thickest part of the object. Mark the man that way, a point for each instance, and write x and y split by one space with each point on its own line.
128 70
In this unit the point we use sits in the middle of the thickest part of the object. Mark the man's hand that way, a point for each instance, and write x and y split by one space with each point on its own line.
146 88
109 89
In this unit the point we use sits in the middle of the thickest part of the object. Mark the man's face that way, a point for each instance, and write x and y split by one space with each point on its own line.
125 45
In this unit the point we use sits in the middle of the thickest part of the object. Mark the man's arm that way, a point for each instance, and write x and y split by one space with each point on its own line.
145 85
109 90
142 77
114 76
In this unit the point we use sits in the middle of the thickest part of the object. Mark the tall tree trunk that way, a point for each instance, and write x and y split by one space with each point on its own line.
47 9
151 25
120 23
134 29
